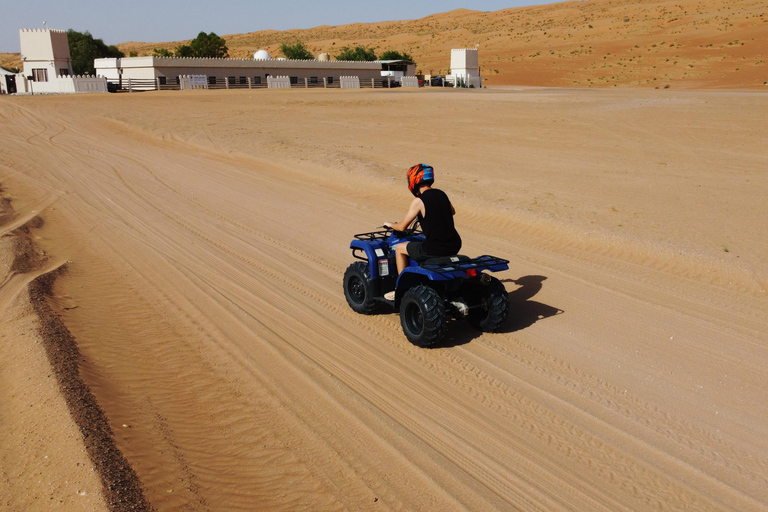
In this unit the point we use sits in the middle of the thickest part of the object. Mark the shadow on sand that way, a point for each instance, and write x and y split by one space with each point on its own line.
523 312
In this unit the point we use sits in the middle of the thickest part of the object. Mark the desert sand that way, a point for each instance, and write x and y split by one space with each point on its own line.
174 333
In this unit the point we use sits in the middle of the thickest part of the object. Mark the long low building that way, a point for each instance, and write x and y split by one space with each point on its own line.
166 70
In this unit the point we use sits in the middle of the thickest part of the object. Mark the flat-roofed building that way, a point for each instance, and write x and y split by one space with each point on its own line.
167 70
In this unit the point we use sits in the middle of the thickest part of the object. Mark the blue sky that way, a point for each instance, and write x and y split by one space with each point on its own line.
173 20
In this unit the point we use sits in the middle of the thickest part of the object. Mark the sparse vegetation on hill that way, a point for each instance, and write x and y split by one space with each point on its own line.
593 43
394 55
296 51
359 52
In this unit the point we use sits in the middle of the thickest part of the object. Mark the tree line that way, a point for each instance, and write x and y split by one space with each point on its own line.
359 53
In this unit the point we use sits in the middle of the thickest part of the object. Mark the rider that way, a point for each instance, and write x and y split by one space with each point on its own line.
435 213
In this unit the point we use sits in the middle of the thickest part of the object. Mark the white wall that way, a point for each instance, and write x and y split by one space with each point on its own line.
464 58
279 82
61 85
350 82
45 49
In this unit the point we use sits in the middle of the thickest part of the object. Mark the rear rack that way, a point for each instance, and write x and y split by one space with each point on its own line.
383 235
481 262
373 235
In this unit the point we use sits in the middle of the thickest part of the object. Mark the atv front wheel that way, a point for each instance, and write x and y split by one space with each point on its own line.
358 289
423 316
489 305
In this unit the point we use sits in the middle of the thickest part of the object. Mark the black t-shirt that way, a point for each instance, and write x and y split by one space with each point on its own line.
437 224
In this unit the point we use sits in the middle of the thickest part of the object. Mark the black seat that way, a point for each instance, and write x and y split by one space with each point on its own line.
445 260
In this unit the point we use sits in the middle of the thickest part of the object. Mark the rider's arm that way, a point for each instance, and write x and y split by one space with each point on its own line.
417 206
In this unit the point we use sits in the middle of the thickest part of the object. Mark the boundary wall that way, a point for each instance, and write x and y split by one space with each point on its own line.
61 85
279 82
350 82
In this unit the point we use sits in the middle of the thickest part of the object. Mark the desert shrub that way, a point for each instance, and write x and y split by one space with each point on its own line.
358 53
296 51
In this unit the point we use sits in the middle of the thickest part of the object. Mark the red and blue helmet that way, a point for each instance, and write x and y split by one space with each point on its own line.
420 174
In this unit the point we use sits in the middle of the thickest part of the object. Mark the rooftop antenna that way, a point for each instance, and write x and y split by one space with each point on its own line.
45 25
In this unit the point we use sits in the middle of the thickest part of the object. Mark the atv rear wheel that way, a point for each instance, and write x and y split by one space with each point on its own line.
489 305
358 289
423 316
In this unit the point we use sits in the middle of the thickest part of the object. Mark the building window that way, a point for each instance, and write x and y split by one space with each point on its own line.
313 79
330 79
243 80
40 75
63 72
257 80
211 80
162 80
231 80
294 80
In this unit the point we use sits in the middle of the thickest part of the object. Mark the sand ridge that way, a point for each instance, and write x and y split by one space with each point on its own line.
74 410
205 248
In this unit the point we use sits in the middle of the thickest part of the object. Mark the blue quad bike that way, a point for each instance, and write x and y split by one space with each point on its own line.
427 293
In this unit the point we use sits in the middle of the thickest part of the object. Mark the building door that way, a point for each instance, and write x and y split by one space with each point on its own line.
10 82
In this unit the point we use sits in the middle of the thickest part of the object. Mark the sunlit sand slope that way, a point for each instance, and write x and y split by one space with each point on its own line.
205 236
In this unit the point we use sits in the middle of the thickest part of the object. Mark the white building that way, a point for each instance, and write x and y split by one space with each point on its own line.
45 54
143 71
465 68
48 65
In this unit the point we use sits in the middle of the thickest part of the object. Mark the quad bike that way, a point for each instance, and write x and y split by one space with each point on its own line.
427 293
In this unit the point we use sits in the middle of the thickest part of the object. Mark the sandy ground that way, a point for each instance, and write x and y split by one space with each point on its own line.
198 242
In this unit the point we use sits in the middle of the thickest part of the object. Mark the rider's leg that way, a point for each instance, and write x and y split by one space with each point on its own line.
401 256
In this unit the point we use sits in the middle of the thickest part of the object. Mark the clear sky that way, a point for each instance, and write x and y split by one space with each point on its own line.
174 20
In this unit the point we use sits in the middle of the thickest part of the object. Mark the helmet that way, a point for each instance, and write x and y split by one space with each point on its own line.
419 174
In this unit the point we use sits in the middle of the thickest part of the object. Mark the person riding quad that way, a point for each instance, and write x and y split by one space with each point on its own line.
435 213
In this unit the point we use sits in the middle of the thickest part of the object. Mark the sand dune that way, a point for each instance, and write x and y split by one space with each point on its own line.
203 237
657 44
597 43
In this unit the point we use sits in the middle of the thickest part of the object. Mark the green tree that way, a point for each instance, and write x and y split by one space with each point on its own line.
393 55
83 49
209 45
162 52
359 53
184 51
296 52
